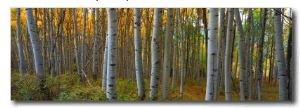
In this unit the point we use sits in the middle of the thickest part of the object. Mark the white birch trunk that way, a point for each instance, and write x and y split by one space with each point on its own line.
167 54
220 52
228 53
104 65
31 24
112 55
155 62
138 58
19 40
282 76
212 68
241 54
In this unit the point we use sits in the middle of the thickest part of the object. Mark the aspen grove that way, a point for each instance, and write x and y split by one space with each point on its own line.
152 54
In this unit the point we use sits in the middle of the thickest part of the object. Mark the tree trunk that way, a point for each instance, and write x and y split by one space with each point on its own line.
96 36
44 51
82 71
112 55
282 77
104 65
167 54
19 39
52 43
289 65
212 68
260 52
241 48
175 53
36 51
220 51
138 58
204 20
59 37
182 56
228 52
251 48
76 42
155 62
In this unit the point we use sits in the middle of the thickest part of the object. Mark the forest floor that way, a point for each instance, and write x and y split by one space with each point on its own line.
68 87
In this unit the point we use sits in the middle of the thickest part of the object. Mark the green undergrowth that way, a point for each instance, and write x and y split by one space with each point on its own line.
68 87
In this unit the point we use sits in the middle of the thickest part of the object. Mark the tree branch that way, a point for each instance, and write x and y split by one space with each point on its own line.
283 15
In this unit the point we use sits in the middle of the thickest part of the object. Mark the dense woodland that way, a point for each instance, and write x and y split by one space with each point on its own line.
206 54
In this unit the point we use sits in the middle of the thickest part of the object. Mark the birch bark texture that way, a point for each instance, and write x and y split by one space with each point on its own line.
282 76
138 57
155 62
37 54
167 54
19 39
104 65
212 67
228 53
111 55
241 54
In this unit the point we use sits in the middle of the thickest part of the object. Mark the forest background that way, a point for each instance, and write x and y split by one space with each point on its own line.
6 42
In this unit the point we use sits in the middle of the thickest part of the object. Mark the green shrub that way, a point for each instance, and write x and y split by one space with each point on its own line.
25 89
85 94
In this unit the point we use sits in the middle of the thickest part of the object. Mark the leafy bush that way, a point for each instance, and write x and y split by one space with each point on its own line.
62 87
85 94
25 89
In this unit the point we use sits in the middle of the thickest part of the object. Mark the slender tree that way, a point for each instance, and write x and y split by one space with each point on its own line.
212 54
241 48
282 77
167 54
182 56
138 58
76 42
260 52
175 53
220 51
19 39
44 52
104 65
82 71
96 36
251 51
228 53
52 43
289 65
155 62
59 40
37 54
111 55
204 20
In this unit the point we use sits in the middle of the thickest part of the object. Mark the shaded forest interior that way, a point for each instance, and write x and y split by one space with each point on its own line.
207 54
